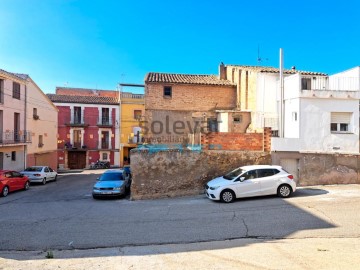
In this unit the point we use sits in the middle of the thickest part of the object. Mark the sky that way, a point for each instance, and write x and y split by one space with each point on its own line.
99 44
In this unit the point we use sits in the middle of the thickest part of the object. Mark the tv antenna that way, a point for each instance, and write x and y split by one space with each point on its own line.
259 58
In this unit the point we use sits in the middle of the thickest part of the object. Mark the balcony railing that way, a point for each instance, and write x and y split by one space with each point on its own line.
105 121
15 137
77 123
132 96
330 83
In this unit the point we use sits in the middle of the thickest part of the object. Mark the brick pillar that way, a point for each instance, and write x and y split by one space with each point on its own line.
204 142
267 139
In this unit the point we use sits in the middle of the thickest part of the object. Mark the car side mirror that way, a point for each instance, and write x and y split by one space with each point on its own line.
242 178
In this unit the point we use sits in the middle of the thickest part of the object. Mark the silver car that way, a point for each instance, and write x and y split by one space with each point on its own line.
40 174
114 182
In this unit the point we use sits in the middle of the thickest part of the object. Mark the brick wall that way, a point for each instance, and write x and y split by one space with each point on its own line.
237 141
190 97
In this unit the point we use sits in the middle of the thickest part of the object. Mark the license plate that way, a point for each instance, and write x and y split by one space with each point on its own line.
106 192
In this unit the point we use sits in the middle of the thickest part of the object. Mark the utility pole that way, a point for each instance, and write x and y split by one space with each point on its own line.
282 116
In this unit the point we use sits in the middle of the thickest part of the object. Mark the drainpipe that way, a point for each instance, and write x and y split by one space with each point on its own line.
120 143
282 116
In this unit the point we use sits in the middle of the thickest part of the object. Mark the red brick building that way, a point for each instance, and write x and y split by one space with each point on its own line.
184 107
88 127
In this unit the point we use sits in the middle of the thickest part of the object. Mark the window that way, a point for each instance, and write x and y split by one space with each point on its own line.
16 90
77 115
167 91
249 175
35 115
340 122
294 116
104 156
305 83
237 119
137 114
105 116
13 155
267 172
41 143
212 125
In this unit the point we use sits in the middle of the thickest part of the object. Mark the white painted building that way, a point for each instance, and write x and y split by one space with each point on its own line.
321 114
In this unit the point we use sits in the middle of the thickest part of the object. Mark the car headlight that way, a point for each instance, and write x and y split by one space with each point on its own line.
96 188
117 188
213 188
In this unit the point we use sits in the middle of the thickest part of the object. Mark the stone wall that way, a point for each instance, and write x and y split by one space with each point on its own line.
328 169
321 169
177 173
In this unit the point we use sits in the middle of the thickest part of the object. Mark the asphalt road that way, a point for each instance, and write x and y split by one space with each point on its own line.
63 215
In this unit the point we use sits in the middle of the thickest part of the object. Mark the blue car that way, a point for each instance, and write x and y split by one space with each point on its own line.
111 183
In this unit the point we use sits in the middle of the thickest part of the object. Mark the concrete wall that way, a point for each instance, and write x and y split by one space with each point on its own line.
177 173
323 169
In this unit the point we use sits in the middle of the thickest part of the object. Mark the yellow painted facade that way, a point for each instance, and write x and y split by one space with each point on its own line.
132 108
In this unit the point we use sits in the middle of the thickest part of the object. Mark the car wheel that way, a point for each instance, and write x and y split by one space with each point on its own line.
284 191
227 196
27 185
5 191
55 178
44 181
94 197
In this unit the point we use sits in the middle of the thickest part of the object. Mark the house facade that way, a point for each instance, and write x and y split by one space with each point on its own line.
131 118
320 119
13 129
42 121
181 107
27 122
88 129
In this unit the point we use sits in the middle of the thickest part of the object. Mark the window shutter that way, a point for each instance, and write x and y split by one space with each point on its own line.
342 117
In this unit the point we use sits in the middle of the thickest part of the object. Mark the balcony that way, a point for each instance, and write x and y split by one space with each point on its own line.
105 121
15 137
36 117
76 123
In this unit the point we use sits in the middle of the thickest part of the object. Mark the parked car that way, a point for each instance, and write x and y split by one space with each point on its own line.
11 181
249 181
40 174
111 183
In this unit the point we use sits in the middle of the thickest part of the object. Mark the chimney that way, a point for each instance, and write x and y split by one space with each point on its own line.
222 71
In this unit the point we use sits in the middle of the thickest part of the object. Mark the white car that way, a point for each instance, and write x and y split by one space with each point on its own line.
249 181
40 174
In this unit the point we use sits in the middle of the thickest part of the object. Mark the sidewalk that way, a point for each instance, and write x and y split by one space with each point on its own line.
309 253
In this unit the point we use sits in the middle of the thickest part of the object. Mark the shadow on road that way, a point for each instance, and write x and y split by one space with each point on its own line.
153 225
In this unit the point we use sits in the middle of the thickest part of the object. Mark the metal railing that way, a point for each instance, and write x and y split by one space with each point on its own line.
105 121
131 95
14 137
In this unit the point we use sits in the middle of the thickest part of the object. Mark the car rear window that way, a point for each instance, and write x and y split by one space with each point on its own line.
33 169
111 177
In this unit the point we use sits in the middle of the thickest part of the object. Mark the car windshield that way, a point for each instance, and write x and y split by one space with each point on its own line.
233 174
111 177
33 169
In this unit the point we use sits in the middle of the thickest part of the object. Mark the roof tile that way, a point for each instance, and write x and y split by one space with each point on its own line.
82 99
153 77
